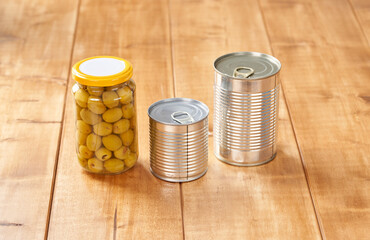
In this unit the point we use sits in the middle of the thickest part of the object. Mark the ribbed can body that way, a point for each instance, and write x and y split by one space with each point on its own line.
178 153
245 119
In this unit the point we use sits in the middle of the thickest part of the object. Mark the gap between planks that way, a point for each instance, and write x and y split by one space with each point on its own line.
52 188
318 219
174 94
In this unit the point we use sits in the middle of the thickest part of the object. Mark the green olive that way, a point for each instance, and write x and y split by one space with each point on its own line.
112 115
122 152
103 154
77 113
93 142
95 165
121 126
83 127
112 142
114 87
90 117
82 161
95 91
85 152
125 95
133 146
103 128
110 99
96 105
132 84
127 137
128 111
81 97
81 138
133 122
130 160
114 165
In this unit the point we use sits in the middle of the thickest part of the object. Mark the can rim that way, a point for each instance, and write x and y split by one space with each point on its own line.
243 53
172 99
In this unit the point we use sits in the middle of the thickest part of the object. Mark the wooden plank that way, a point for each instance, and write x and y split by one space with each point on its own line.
271 201
326 82
362 12
35 45
208 38
134 205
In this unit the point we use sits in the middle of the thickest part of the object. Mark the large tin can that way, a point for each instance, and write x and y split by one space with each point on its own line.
178 139
246 96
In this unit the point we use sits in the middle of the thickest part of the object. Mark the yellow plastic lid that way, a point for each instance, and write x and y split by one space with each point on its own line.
102 71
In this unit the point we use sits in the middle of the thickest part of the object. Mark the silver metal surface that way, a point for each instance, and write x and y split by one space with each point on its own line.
163 110
179 149
262 64
246 108
182 117
247 72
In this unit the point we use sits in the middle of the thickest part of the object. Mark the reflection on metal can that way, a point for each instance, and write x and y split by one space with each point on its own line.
178 139
246 96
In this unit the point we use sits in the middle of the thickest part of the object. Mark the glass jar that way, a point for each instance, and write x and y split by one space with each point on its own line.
106 129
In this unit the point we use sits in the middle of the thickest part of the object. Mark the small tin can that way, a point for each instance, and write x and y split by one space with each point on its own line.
178 139
246 96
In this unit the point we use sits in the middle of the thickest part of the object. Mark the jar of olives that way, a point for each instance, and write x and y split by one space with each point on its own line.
106 130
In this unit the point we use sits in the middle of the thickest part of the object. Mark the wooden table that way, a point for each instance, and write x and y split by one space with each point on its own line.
316 188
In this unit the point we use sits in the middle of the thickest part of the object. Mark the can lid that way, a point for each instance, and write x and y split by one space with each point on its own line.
178 111
102 71
247 65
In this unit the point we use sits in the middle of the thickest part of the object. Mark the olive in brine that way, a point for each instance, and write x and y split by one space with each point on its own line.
133 146
90 117
83 127
78 110
93 142
122 152
81 138
132 84
81 97
112 142
112 115
82 161
130 160
125 95
103 154
95 165
133 122
110 99
127 137
103 128
113 88
85 152
114 165
121 126
95 91
96 105
128 111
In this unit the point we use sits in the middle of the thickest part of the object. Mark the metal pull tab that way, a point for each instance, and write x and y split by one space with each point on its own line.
239 74
182 117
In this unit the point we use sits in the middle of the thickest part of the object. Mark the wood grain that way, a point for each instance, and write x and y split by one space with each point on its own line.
271 201
200 38
362 13
316 188
134 205
327 89
35 45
